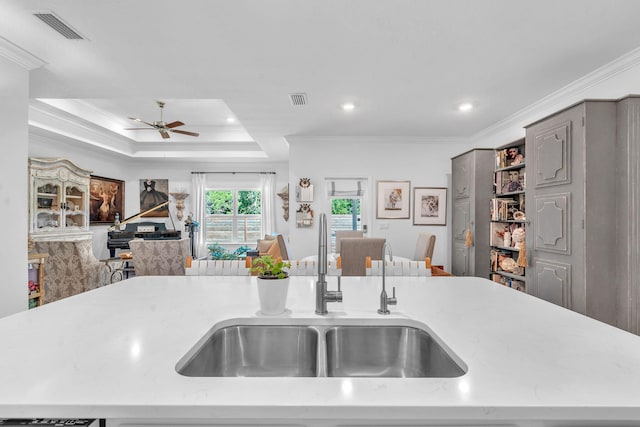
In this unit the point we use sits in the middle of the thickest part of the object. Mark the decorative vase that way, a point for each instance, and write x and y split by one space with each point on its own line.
273 295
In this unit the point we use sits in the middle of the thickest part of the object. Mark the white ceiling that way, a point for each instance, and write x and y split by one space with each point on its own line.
406 64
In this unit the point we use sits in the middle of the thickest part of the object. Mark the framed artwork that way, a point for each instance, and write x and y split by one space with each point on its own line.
429 206
106 199
152 193
393 199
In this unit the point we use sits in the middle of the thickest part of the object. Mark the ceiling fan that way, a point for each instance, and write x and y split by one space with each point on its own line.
161 126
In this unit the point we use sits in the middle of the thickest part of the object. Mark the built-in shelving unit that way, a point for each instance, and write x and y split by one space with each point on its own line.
36 279
508 216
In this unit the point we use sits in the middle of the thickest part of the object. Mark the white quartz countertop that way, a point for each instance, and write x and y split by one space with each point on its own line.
111 353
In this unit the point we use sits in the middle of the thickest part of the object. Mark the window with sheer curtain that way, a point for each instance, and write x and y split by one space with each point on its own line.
232 208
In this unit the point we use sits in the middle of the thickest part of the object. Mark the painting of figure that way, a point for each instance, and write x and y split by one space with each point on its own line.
152 193
106 200
394 199
430 205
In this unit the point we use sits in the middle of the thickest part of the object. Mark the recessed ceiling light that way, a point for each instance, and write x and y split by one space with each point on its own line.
231 119
467 106
348 106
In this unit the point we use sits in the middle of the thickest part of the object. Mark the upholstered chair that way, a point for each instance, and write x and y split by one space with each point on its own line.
342 234
354 252
159 257
71 268
424 246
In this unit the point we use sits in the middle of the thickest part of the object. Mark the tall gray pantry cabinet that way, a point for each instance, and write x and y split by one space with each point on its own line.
571 193
627 268
472 184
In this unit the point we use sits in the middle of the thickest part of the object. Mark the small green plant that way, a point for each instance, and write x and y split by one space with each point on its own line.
269 268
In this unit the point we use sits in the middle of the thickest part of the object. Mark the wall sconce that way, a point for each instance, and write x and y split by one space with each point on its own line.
179 196
284 195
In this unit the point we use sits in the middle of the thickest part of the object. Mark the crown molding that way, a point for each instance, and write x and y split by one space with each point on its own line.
378 139
20 56
565 96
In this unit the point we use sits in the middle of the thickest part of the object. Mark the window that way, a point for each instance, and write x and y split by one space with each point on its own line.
347 197
233 216
345 215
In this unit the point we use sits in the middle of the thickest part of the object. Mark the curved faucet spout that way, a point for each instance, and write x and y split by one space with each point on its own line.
322 245
385 301
322 295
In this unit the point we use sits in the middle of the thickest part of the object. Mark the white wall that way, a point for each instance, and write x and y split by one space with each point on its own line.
106 164
425 164
14 92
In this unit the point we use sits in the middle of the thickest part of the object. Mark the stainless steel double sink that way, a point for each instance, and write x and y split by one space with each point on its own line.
319 348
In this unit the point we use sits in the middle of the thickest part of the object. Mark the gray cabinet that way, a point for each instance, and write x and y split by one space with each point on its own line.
472 190
626 271
571 182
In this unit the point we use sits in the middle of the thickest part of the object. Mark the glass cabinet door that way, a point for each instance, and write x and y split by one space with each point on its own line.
48 205
74 206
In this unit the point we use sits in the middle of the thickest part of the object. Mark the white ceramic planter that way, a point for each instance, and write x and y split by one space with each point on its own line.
273 295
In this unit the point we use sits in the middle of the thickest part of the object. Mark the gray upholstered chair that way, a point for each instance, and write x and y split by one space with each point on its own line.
71 268
354 252
342 234
424 246
159 257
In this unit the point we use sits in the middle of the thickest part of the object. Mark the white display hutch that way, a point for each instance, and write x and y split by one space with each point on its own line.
58 200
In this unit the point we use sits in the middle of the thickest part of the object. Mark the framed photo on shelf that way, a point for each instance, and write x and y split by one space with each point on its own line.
106 199
393 199
429 206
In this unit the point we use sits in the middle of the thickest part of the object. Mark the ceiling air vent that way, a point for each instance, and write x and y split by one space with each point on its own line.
298 99
56 23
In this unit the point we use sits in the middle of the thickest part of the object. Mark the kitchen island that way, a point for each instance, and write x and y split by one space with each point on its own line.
111 353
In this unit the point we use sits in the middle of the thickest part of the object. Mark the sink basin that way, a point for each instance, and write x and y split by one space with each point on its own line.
320 348
386 351
255 351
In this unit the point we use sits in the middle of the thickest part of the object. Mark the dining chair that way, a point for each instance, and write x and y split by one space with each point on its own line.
354 252
341 234
424 246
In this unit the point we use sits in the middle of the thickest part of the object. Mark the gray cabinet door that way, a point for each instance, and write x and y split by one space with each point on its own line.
555 235
571 188
460 254
472 191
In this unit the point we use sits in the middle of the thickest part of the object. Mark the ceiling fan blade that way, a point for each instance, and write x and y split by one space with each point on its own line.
139 129
174 124
184 132
142 121
164 133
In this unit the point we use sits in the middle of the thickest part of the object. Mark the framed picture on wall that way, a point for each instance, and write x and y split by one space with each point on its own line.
393 199
152 193
429 206
106 199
